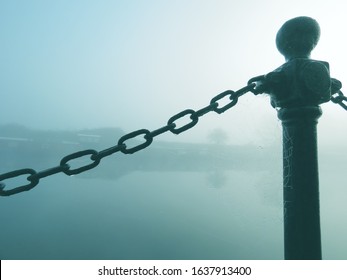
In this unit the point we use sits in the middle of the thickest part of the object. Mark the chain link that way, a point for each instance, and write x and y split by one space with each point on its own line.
339 98
95 157
68 171
31 178
147 136
336 94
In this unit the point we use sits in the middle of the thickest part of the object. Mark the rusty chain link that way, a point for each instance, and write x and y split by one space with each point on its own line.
33 177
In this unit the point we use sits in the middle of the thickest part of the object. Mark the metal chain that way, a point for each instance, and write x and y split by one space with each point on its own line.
339 98
254 85
336 94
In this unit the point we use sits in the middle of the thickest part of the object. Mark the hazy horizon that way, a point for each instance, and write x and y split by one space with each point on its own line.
82 65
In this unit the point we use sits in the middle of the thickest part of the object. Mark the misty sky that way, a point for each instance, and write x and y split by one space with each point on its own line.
77 64
133 64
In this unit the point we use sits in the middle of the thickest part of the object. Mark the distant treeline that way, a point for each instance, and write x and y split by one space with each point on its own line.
21 147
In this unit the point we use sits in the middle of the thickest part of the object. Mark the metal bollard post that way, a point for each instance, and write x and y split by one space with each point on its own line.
296 89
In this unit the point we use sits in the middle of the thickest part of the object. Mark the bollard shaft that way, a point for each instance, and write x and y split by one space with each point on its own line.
296 89
302 237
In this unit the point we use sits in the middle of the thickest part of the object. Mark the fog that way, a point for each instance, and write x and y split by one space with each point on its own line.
78 75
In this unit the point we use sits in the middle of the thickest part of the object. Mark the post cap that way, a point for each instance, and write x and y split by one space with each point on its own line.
298 37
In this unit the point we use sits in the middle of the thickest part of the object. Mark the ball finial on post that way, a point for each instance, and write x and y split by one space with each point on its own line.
296 89
298 37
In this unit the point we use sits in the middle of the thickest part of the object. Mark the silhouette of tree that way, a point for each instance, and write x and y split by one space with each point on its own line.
218 136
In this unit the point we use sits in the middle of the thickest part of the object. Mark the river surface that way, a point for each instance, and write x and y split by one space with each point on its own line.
144 215
228 214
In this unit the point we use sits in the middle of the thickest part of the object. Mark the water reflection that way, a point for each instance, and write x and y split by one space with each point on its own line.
216 179
170 201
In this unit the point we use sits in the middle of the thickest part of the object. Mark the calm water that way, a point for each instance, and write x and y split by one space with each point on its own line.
174 215
162 215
